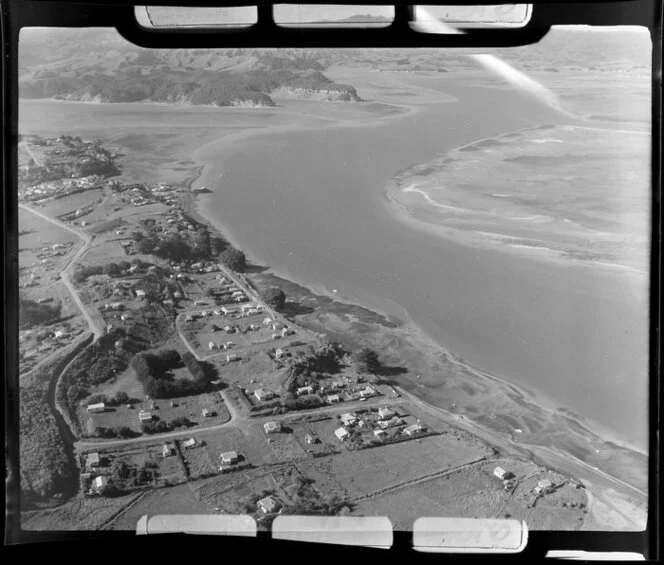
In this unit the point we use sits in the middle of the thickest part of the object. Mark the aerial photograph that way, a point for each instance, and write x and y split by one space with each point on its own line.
396 282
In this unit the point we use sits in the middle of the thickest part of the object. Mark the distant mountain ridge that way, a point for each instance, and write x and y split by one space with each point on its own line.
99 65
105 68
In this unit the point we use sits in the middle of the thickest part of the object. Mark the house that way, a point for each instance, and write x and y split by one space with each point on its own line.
267 321
189 443
228 458
384 413
544 486
99 483
412 430
95 408
229 310
232 357
309 438
278 354
277 326
384 424
501 473
262 395
276 336
92 460
212 345
199 302
379 433
272 427
341 433
337 385
144 416
140 293
168 449
305 390
177 294
333 398
367 392
348 418
286 332
268 505
58 334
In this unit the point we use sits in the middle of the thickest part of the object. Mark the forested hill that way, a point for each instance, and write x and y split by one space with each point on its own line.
98 65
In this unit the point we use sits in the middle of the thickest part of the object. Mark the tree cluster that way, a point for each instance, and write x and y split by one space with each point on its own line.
31 313
234 259
274 296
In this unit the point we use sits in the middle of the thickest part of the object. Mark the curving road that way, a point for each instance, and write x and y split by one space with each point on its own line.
64 274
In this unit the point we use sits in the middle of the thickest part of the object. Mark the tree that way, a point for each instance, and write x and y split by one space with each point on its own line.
274 296
137 236
234 259
121 397
366 360
112 269
146 245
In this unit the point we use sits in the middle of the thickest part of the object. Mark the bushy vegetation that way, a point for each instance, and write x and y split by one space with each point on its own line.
366 360
30 313
234 259
274 296
153 370
220 88
82 273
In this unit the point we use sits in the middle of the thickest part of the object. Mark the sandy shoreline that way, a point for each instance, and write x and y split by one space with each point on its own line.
521 398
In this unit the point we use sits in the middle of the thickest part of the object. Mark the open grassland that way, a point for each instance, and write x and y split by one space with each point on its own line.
80 513
173 500
369 470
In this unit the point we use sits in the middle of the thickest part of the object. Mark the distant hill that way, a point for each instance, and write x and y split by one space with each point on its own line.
98 64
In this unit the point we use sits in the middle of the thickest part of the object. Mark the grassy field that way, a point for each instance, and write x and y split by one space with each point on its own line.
81 513
369 470
190 407
178 499
72 202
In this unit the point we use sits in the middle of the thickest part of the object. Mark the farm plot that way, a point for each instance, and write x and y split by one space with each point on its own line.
198 461
179 499
468 493
373 469
224 440
73 202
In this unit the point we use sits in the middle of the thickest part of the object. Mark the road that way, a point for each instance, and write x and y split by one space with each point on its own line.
236 420
64 274
559 460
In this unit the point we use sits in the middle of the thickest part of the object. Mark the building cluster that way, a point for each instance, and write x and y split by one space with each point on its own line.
59 188
381 423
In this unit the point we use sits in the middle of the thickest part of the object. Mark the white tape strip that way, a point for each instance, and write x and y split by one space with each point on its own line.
216 524
341 530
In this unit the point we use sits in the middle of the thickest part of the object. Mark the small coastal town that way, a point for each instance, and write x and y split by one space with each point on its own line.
158 374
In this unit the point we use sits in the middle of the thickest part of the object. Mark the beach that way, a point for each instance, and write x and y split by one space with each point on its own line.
464 342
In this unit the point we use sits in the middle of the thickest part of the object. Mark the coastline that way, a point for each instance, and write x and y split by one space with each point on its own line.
542 410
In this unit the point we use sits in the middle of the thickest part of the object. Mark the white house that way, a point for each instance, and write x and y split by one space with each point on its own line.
140 293
379 433
333 398
384 413
92 460
168 449
262 395
228 457
272 427
189 443
268 505
99 407
276 336
348 418
144 416
543 486
99 483
500 473
305 390
367 392
208 413
232 357
279 353
341 433
212 345
412 430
